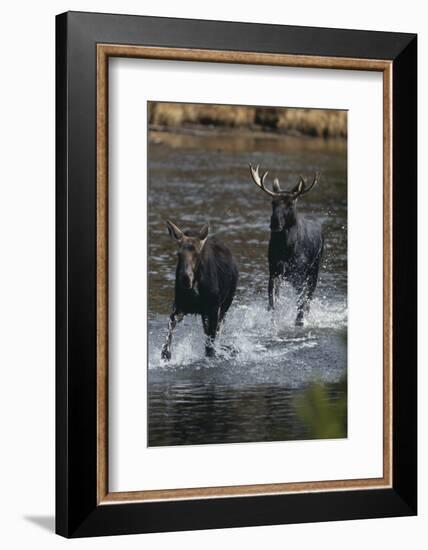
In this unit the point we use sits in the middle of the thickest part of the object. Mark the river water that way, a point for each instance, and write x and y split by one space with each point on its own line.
270 380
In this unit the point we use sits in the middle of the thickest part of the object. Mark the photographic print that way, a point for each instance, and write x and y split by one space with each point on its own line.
247 274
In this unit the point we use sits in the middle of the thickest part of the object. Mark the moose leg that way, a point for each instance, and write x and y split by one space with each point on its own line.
220 324
303 297
311 289
308 291
277 286
174 318
271 285
223 310
211 324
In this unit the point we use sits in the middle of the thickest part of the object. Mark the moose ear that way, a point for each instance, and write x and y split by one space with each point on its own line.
276 186
174 231
203 233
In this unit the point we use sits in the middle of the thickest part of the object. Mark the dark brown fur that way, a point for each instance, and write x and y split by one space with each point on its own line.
205 283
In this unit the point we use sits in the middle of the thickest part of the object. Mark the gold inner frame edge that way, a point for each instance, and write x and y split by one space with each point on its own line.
104 51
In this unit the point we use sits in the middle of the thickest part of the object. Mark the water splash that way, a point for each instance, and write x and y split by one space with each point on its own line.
252 335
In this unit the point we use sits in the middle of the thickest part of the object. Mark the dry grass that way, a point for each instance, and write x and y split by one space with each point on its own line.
311 122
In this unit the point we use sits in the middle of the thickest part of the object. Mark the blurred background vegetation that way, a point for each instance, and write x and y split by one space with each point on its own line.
323 410
323 123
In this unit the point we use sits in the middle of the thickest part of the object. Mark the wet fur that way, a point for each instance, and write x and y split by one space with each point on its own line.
295 254
214 286
216 278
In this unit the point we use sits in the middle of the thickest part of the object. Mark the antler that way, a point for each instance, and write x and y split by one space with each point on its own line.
307 188
300 189
260 181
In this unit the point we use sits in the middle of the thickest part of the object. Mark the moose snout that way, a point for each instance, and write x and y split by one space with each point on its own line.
277 220
276 224
188 280
275 228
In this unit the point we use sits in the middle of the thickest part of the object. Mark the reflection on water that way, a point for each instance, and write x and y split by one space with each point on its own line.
201 413
245 141
265 366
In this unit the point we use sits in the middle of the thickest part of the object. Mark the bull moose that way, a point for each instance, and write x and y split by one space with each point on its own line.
295 245
205 283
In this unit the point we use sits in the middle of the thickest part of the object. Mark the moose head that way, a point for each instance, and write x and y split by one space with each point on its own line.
190 245
283 202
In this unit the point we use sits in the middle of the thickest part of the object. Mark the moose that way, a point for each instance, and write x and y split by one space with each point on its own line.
295 244
205 283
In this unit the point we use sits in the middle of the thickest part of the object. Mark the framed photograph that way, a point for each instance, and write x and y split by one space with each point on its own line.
236 274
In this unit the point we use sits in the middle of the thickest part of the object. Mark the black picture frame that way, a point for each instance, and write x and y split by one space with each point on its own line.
77 511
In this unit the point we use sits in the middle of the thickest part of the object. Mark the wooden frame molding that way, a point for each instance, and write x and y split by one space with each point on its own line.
104 51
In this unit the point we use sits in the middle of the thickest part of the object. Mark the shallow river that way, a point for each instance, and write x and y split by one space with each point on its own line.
270 380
